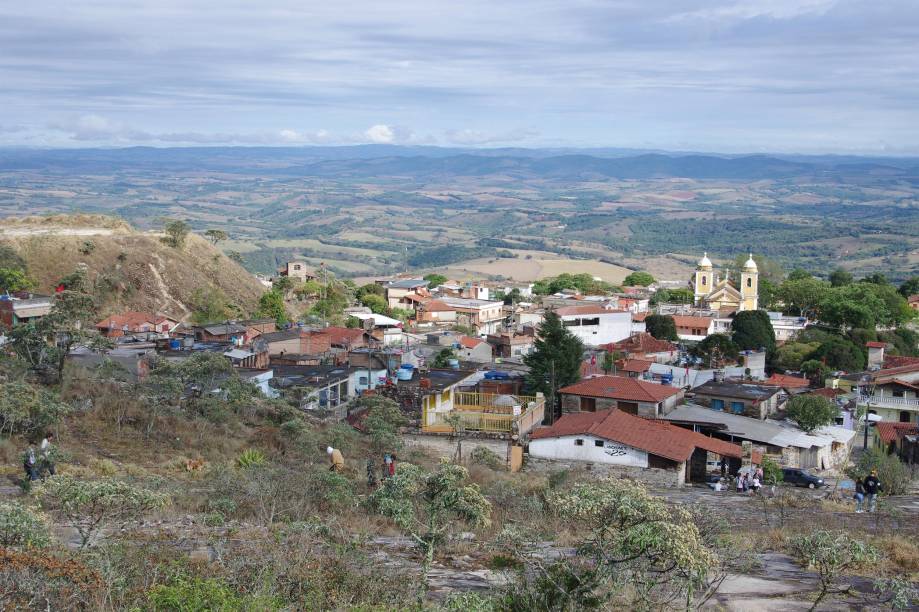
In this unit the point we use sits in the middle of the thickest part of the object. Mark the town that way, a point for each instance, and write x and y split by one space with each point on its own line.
768 394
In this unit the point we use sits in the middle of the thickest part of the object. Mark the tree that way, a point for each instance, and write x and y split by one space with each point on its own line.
672 296
211 306
831 554
840 277
271 306
791 355
895 476
20 526
716 350
176 233
435 280
369 289
94 505
751 330
799 274
382 423
638 279
877 278
803 296
29 409
769 269
443 357
811 412
609 362
376 303
815 371
839 354
555 361
426 504
637 540
661 327
512 297
909 287
767 293
216 235
284 284
14 280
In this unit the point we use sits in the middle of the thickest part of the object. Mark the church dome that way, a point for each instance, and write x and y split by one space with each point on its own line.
705 262
750 264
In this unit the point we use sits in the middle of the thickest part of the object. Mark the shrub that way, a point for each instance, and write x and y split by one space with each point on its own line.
201 595
811 412
29 409
894 475
22 527
830 554
250 458
485 456
28 577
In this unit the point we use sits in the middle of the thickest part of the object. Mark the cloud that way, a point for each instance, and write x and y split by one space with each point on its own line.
380 134
468 137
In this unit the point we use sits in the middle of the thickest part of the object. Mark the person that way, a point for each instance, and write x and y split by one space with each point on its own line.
371 474
724 467
740 482
46 449
859 494
392 466
759 473
30 464
872 487
718 486
336 459
387 459
756 484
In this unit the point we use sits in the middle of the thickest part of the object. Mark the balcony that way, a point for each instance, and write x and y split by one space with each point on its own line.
883 401
486 412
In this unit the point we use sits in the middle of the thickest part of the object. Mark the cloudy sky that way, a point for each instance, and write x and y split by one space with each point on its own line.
717 75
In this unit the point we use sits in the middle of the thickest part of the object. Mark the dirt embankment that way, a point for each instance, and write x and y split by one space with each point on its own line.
131 270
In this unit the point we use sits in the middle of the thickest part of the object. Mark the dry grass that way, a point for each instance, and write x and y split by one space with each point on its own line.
901 552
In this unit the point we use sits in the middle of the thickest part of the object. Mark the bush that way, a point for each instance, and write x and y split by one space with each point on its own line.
894 475
484 456
250 458
22 527
29 577
202 595
28 409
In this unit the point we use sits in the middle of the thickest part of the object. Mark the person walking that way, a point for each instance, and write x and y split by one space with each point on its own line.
859 494
46 453
392 466
30 465
872 488
740 482
371 474
724 467
336 459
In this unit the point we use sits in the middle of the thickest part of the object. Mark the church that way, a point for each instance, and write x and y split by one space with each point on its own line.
723 294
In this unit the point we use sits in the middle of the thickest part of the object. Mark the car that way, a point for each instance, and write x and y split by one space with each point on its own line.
801 478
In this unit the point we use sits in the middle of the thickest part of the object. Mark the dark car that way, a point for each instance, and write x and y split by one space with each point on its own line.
800 478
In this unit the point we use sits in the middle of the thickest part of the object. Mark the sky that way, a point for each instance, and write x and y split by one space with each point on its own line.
792 76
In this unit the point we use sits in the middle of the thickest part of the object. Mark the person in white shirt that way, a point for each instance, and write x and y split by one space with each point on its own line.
47 462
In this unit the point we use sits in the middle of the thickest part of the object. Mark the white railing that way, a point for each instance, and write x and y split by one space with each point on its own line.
882 401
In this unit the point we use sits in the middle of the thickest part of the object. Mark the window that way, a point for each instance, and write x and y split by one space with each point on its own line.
595 321
904 416
362 380
717 404
749 282
598 443
737 407
704 281
579 442
898 393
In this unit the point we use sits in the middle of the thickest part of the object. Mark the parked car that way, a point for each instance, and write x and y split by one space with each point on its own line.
800 478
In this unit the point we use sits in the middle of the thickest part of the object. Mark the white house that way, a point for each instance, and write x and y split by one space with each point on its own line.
596 324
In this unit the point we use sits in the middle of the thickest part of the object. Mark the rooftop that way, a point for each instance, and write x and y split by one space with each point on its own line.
788 382
652 436
621 388
736 389
889 431
642 342
587 309
409 283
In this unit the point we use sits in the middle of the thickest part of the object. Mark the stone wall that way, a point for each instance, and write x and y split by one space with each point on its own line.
445 445
651 476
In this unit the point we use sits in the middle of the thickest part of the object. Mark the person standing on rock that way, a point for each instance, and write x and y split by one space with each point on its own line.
872 487
336 459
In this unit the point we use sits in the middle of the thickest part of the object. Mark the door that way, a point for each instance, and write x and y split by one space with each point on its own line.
717 404
904 416
588 404
630 407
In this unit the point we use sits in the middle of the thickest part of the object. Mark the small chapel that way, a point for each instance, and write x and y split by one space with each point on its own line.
726 294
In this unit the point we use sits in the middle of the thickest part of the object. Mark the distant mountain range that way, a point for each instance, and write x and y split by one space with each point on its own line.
416 162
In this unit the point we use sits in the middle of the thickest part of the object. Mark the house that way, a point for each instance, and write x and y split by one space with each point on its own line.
317 387
891 436
633 303
616 438
233 333
782 441
398 289
510 345
383 329
23 307
875 354
645 346
595 324
298 341
786 328
753 400
474 349
436 312
693 328
627 394
258 327
346 338
132 322
913 301
484 316
299 270
634 368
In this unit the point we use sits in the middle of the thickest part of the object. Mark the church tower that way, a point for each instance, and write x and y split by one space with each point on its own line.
704 279
749 285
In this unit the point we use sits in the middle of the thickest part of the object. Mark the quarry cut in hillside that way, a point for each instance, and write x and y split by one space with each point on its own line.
130 270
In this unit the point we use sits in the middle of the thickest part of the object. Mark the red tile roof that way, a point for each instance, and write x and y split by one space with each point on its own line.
789 382
636 365
690 321
131 319
876 344
827 392
888 374
654 437
640 316
587 309
913 299
436 306
896 361
469 342
642 342
890 431
621 388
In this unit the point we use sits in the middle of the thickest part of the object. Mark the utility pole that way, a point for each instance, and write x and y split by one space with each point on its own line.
552 392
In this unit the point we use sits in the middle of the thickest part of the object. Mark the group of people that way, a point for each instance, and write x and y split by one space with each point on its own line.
750 481
388 469
36 466
867 488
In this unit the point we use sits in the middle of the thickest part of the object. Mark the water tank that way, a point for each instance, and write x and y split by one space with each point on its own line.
404 374
407 366
454 364
175 344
